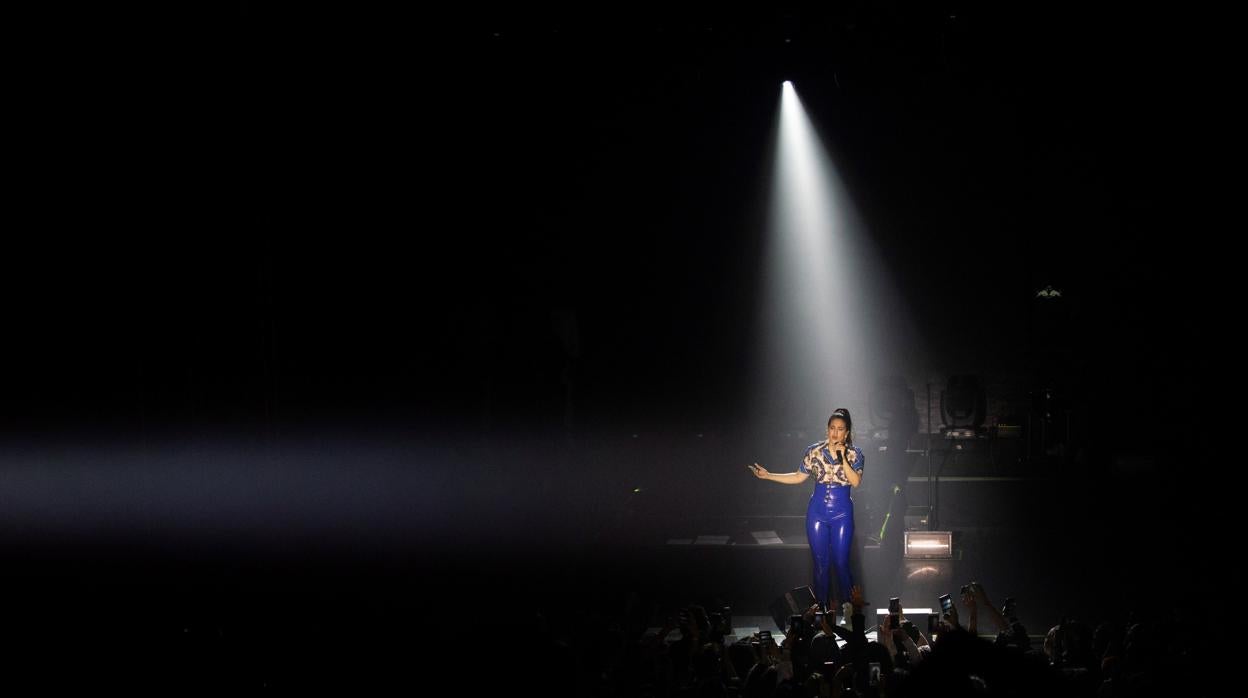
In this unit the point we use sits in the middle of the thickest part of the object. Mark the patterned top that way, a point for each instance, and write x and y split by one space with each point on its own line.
819 462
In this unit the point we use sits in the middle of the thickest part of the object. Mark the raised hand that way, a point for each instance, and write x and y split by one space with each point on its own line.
968 600
980 594
885 635
855 597
952 616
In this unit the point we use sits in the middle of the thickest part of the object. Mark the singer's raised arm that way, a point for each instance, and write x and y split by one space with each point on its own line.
787 478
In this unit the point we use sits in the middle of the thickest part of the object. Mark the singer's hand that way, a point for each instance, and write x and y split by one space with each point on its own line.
847 470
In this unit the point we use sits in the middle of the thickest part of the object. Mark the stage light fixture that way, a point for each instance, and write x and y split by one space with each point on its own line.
929 545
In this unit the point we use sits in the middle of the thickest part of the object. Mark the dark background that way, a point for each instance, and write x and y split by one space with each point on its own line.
298 291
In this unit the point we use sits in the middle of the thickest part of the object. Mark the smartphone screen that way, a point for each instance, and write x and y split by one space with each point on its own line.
946 603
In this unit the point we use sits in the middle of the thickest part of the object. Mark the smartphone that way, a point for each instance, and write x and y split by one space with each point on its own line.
764 636
946 603
875 673
818 619
894 605
910 630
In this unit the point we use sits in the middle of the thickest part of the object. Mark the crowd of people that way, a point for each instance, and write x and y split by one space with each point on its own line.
697 653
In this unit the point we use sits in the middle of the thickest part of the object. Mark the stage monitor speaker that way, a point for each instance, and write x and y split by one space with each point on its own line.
792 603
923 581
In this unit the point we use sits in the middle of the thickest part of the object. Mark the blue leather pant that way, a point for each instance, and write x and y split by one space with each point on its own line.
830 532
